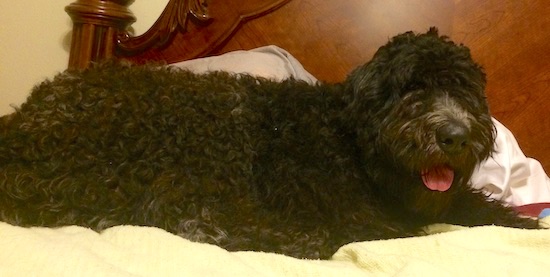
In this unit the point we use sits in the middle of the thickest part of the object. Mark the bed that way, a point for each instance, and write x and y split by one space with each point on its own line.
321 40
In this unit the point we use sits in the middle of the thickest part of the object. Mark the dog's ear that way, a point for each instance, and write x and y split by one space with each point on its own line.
364 83
367 94
379 82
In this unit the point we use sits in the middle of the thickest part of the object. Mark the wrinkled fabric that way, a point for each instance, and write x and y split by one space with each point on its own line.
511 176
148 251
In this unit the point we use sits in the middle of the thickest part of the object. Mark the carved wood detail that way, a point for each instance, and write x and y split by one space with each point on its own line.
199 40
174 18
100 29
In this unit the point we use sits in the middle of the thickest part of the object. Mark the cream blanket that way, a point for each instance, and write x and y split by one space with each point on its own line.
147 251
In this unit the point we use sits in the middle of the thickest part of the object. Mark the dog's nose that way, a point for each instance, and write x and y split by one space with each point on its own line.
453 137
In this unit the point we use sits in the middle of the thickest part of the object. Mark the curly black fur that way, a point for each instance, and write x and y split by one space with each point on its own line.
252 164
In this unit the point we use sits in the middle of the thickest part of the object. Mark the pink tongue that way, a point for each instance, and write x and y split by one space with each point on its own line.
438 178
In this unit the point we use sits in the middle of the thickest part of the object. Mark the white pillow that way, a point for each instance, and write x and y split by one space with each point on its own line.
269 61
508 175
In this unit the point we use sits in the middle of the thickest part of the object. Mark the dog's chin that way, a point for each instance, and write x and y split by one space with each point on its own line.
433 191
424 191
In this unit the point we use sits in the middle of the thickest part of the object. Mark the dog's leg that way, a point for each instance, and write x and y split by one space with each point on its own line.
473 208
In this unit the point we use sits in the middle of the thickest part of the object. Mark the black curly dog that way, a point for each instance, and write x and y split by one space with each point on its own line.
252 164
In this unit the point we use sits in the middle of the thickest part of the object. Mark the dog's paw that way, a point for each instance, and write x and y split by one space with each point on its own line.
525 222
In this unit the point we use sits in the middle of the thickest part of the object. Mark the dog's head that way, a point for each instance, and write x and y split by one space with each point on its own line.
420 114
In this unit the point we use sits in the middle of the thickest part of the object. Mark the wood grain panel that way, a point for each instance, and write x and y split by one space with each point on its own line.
331 38
511 39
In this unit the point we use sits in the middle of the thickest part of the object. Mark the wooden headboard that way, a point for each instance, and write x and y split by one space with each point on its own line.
509 38
186 29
